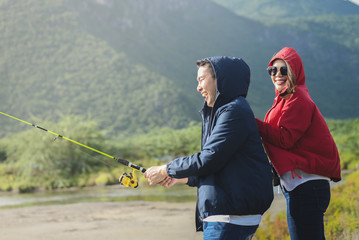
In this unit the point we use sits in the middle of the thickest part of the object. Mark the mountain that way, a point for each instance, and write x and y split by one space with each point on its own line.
257 9
325 34
130 65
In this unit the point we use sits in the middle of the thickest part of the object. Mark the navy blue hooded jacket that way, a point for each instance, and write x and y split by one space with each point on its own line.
232 171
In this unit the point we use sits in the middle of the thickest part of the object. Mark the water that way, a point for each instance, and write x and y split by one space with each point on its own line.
115 193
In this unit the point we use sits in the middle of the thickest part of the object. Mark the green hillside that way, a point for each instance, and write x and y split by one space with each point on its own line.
130 65
50 67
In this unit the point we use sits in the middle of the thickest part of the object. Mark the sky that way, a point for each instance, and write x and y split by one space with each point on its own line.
355 1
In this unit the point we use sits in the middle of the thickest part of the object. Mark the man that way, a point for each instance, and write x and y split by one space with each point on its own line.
232 172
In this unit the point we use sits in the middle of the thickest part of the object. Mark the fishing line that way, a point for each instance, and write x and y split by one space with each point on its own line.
125 179
96 157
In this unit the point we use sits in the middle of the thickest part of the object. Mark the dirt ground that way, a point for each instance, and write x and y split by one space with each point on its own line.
105 221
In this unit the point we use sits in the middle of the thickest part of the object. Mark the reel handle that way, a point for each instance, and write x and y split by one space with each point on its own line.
131 165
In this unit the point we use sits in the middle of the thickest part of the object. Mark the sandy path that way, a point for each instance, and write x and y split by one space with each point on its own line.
90 221
104 221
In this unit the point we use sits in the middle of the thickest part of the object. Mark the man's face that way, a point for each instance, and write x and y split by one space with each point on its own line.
207 85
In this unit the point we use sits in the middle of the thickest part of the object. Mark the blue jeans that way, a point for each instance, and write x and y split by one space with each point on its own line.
306 206
227 231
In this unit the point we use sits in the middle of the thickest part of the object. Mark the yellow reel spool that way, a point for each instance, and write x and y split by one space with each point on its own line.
129 180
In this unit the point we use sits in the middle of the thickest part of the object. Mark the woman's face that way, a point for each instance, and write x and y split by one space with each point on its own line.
279 80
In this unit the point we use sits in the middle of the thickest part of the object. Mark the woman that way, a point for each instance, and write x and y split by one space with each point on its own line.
300 147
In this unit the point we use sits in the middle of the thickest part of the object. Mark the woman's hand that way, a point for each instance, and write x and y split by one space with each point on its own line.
169 182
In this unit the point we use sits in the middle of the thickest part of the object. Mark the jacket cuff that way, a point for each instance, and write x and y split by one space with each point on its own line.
171 173
192 181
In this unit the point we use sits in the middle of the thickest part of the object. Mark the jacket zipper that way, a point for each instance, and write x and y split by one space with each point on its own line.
210 124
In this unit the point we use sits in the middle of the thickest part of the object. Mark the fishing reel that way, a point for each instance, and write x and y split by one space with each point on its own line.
129 180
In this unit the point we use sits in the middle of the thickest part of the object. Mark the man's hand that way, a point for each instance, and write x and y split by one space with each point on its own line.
156 174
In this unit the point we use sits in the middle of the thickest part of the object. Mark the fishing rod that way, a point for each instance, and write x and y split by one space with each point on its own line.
128 180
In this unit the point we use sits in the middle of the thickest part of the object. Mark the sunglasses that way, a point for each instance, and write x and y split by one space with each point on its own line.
273 70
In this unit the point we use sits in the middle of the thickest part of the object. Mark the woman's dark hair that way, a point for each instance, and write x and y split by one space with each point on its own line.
291 83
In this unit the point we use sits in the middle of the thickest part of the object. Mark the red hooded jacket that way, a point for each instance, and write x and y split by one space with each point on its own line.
294 132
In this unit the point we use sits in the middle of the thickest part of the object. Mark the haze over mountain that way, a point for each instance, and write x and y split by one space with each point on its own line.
130 65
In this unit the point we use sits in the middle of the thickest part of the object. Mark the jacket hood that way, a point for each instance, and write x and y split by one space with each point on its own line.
295 62
233 77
